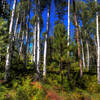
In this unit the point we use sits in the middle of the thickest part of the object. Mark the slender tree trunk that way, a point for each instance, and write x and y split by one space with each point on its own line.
38 39
45 44
38 45
77 39
8 56
68 33
34 34
83 58
27 33
36 49
88 54
45 53
98 45
23 35
15 31
68 21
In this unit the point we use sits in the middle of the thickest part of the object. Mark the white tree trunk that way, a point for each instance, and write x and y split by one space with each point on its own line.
8 56
68 37
98 46
12 17
15 31
38 39
34 55
68 21
38 45
45 53
45 43
83 58
33 59
88 55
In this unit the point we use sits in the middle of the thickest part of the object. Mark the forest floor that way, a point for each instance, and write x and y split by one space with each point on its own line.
54 93
44 90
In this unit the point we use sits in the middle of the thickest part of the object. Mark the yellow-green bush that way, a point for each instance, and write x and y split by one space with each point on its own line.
29 91
93 86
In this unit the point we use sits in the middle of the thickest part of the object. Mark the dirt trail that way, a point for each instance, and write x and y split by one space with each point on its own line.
50 94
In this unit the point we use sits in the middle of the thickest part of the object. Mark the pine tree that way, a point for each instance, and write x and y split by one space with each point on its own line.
77 38
3 40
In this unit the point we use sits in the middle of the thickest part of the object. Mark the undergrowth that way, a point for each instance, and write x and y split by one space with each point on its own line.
26 89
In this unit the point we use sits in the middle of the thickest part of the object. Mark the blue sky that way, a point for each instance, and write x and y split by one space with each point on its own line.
53 18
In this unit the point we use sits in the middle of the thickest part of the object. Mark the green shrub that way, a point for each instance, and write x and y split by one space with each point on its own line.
22 94
3 91
24 91
39 95
29 90
1 76
93 86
